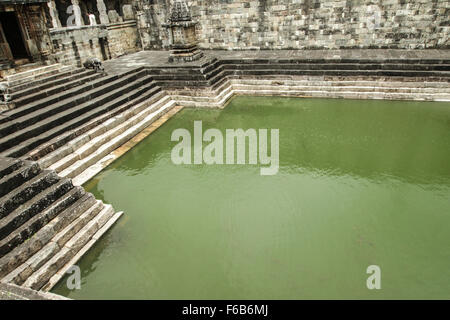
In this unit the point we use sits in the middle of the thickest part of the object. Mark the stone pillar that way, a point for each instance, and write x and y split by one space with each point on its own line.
101 7
77 13
54 14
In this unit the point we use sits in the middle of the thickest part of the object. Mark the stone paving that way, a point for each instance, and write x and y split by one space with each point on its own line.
147 59
13 292
160 58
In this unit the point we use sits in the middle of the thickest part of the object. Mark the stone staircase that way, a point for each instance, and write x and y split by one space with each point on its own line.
62 125
36 76
210 71
45 224
213 82
201 75
412 68
315 87
43 125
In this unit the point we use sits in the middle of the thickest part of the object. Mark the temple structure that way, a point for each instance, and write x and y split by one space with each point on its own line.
42 32
182 38
70 31
24 35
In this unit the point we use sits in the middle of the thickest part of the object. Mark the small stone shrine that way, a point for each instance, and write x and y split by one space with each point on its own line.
183 41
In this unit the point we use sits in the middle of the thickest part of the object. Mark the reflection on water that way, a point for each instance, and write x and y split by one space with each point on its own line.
361 183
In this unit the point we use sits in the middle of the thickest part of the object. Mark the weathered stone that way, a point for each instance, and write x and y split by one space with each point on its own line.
324 24
39 278
181 29
128 13
37 260
113 16
101 7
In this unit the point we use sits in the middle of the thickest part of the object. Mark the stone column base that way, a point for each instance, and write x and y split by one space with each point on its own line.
184 53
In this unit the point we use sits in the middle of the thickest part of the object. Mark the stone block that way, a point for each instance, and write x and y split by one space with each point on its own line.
114 16
128 13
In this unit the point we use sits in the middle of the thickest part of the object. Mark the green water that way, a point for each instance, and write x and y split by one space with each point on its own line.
360 183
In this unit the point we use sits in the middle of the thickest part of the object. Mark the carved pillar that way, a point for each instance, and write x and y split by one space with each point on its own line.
77 12
54 14
101 7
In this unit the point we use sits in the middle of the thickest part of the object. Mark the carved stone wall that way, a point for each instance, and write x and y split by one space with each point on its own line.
311 24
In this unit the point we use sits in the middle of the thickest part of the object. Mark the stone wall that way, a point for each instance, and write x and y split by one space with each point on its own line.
73 45
150 16
306 24
123 38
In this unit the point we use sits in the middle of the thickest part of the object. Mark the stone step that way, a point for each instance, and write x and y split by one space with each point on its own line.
192 77
314 81
18 177
72 82
217 68
218 78
25 65
212 65
338 66
207 96
212 91
32 207
8 165
318 82
49 80
217 98
57 147
83 210
200 71
66 195
127 130
26 82
65 156
433 81
60 274
46 83
84 215
14 292
345 94
34 73
26 191
386 73
374 88
40 277
216 72
31 113
189 78
405 60
71 210
53 126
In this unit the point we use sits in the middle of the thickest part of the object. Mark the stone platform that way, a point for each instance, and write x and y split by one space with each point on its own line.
160 58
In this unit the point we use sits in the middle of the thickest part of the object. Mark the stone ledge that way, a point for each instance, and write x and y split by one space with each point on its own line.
120 25
75 28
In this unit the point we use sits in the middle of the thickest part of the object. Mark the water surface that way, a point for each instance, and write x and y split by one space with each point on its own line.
360 183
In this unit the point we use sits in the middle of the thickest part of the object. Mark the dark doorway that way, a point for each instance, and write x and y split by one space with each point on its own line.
13 34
